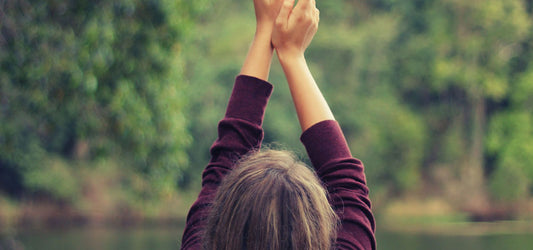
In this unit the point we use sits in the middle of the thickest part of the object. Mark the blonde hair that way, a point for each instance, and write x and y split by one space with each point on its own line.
271 201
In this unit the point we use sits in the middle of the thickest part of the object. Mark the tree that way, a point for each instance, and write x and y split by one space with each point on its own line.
469 46
87 80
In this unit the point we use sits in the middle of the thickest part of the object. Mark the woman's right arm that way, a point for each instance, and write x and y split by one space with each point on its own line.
293 32
341 173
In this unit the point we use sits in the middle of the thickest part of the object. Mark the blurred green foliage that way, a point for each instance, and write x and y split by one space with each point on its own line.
436 97
88 80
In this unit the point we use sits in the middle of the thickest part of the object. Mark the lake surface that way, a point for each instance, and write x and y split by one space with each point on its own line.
153 238
389 240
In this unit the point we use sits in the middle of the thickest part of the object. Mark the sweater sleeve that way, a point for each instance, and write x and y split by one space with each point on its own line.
238 132
344 178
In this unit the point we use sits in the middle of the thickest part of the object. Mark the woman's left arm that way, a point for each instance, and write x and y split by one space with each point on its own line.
241 128
259 58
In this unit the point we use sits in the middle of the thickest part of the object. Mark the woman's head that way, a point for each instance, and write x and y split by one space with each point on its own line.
271 201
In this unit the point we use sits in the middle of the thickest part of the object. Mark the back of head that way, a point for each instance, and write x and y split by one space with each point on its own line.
270 201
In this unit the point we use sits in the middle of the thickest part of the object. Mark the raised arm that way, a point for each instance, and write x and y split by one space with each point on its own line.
259 58
341 173
294 30
241 128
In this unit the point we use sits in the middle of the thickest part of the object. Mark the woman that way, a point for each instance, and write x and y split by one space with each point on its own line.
268 200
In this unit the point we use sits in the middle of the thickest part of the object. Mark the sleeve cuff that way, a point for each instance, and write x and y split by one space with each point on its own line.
249 99
324 141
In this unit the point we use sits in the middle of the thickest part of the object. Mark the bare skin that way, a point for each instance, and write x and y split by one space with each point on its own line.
294 30
289 29
259 58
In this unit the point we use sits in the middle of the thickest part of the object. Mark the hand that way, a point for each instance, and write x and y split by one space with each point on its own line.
266 11
295 28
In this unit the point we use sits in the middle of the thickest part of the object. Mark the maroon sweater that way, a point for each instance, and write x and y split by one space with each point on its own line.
241 131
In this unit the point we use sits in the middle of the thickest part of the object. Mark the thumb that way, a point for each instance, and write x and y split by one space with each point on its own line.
285 11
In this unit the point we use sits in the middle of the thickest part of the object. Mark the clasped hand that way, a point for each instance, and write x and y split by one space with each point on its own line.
293 27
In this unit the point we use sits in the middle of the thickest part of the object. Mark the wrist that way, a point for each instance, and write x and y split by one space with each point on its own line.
264 27
263 36
288 56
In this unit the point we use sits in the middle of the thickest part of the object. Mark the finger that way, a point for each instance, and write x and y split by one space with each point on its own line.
285 11
279 3
306 3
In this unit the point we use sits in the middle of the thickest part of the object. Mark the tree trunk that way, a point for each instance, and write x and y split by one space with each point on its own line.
472 172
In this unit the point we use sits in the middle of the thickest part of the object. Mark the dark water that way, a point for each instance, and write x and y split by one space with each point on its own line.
518 241
153 238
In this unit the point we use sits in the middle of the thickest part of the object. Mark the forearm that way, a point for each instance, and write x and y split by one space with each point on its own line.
258 60
310 104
